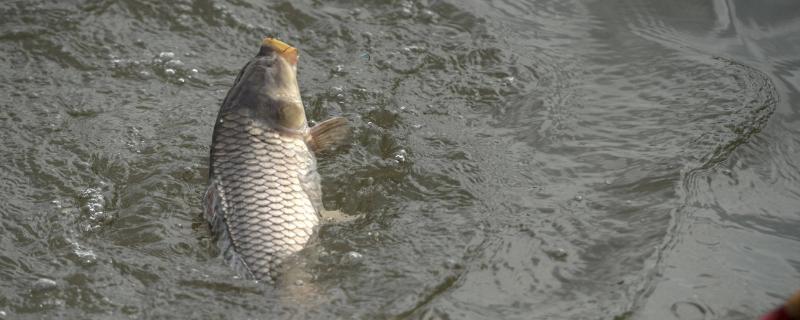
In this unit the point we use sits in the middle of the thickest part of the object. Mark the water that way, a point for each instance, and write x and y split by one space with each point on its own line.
520 160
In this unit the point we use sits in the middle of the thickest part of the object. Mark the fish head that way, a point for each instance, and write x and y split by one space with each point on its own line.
266 89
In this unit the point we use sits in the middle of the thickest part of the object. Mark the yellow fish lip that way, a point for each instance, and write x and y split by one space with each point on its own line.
284 50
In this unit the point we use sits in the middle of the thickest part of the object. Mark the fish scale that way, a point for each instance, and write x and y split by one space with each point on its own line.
266 189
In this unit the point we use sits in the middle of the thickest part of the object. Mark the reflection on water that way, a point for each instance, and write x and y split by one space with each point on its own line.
544 159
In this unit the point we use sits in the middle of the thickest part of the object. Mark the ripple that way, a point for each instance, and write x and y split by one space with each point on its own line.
686 310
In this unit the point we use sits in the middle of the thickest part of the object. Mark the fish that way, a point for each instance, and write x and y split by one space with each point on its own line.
264 199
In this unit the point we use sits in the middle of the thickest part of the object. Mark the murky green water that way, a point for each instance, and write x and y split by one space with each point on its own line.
512 159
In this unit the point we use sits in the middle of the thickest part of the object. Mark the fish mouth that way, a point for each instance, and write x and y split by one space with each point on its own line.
289 53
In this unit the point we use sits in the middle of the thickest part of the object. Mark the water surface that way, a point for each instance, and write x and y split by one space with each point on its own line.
512 159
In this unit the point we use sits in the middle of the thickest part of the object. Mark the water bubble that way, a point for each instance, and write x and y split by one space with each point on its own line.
94 200
169 72
451 263
175 64
185 20
86 256
338 69
44 284
2 313
298 283
579 198
558 254
428 15
406 13
144 73
181 80
93 203
166 55
354 255
194 71
400 156
608 182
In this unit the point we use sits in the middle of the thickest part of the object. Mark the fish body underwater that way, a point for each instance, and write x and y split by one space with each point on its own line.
264 201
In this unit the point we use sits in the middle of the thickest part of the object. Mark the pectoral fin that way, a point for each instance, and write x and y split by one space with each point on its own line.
329 135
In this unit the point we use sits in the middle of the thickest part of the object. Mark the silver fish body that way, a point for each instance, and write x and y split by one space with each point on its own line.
264 194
